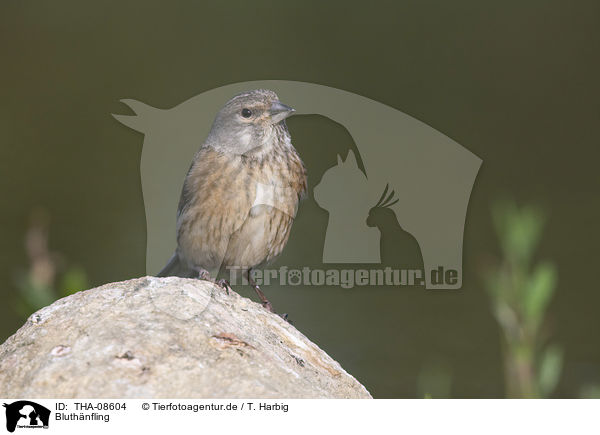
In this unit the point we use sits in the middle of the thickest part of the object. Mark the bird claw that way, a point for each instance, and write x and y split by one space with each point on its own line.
267 305
204 275
224 284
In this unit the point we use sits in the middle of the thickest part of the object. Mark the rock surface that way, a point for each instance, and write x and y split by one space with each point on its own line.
165 338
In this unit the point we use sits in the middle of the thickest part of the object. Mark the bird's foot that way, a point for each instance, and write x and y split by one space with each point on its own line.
267 305
263 299
224 284
204 275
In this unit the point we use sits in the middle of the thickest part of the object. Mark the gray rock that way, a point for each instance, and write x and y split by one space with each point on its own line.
166 338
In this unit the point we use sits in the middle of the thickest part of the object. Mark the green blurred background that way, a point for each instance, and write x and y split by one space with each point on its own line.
514 82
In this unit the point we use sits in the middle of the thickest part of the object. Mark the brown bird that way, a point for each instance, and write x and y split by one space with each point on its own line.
241 193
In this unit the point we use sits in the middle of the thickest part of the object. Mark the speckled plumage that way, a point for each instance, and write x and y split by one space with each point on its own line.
224 217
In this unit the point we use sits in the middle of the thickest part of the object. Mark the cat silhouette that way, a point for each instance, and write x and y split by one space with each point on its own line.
344 193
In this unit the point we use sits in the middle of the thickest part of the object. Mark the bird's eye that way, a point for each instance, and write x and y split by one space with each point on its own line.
246 113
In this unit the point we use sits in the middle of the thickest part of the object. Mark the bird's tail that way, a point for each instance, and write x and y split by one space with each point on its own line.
176 268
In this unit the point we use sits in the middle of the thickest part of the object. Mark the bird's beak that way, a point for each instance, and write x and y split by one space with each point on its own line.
280 111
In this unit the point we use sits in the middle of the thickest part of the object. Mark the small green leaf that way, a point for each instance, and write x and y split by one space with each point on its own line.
518 229
538 291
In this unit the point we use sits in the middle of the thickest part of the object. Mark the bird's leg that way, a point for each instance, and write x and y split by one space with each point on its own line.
265 302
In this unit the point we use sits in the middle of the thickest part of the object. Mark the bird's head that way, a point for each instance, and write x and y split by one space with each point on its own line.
247 121
381 212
